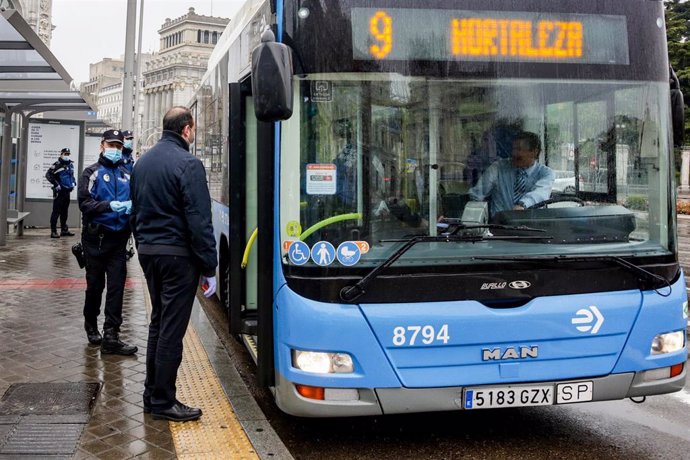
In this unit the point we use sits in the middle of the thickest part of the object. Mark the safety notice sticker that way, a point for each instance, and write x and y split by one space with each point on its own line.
321 179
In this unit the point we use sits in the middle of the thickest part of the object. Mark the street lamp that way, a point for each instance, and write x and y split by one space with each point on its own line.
146 140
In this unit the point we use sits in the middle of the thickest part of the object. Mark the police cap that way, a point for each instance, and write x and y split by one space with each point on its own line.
113 135
127 134
65 150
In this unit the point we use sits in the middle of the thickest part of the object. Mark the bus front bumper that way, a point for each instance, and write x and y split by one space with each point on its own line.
379 401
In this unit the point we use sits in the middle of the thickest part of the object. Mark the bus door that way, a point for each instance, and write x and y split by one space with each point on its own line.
243 213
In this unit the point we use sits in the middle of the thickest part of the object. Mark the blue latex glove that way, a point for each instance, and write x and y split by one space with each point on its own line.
128 206
57 188
118 206
208 284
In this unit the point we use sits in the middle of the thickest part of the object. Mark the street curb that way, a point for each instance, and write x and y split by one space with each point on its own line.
263 437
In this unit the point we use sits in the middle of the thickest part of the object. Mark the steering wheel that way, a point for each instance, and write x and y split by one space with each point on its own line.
331 220
559 199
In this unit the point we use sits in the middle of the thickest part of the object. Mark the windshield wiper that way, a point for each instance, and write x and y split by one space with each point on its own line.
457 226
350 293
657 282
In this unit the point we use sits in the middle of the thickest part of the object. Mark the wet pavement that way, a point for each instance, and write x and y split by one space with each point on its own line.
60 398
42 339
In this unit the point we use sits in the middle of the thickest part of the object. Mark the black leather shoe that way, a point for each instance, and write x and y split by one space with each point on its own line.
112 345
177 413
66 233
95 337
54 235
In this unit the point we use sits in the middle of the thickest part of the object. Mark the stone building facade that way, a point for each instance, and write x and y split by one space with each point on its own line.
38 13
102 74
173 74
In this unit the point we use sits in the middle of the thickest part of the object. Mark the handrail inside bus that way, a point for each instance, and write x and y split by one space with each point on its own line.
248 248
331 220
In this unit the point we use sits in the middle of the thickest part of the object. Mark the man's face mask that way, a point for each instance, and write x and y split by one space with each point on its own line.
64 157
129 143
112 154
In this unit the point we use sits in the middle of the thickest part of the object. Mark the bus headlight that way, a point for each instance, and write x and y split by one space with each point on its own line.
668 343
322 363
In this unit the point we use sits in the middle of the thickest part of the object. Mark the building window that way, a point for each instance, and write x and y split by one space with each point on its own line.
215 38
206 36
198 36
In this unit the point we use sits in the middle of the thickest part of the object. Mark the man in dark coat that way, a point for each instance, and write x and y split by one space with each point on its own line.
171 219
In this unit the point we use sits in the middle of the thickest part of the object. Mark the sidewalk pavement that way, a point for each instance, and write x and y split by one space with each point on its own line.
60 398
42 339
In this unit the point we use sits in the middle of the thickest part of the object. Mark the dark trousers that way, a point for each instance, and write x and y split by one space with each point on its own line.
105 260
172 283
60 208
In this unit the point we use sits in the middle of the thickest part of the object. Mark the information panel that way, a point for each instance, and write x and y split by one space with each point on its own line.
92 149
457 35
45 142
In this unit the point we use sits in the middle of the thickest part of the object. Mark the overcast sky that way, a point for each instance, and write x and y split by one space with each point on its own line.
88 30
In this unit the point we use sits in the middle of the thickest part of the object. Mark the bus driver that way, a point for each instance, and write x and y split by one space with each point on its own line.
518 182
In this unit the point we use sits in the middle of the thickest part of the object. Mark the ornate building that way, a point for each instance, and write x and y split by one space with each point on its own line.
38 13
173 74
104 73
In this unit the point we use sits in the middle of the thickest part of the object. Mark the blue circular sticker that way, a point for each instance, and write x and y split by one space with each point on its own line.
349 253
299 253
323 253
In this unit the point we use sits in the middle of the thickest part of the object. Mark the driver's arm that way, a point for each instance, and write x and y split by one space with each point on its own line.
542 187
485 185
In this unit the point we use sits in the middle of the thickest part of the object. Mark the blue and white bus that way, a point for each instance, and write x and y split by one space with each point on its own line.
343 141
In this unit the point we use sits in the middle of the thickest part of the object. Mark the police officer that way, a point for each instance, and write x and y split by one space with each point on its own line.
128 162
127 151
104 200
61 176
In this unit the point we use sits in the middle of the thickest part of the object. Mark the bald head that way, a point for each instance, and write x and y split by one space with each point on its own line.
177 118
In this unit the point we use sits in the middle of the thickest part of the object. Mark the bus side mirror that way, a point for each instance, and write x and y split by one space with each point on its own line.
677 110
272 79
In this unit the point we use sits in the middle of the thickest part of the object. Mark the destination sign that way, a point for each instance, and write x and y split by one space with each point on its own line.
457 35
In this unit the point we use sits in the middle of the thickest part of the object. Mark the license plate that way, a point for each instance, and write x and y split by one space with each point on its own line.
574 392
511 396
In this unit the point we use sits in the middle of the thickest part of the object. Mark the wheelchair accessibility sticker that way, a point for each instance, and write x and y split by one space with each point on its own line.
299 253
349 253
323 253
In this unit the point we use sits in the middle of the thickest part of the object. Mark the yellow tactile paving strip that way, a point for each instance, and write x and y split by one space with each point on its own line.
218 433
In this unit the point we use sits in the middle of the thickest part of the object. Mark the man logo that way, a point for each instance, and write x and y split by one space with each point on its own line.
520 284
500 354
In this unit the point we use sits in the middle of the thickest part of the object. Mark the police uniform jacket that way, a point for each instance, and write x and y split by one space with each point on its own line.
99 184
62 173
127 159
171 206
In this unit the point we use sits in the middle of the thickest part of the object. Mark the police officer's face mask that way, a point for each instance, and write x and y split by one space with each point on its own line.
112 154
129 143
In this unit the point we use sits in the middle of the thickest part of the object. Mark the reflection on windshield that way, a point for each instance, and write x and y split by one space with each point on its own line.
393 157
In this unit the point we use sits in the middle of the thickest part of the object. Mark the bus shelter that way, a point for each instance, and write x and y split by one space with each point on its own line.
32 81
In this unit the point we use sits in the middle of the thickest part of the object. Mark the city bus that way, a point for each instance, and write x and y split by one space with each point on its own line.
343 141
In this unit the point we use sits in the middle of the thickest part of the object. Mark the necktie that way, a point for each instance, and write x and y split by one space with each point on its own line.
520 185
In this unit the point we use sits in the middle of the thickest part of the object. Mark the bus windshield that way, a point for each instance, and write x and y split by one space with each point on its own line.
368 160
